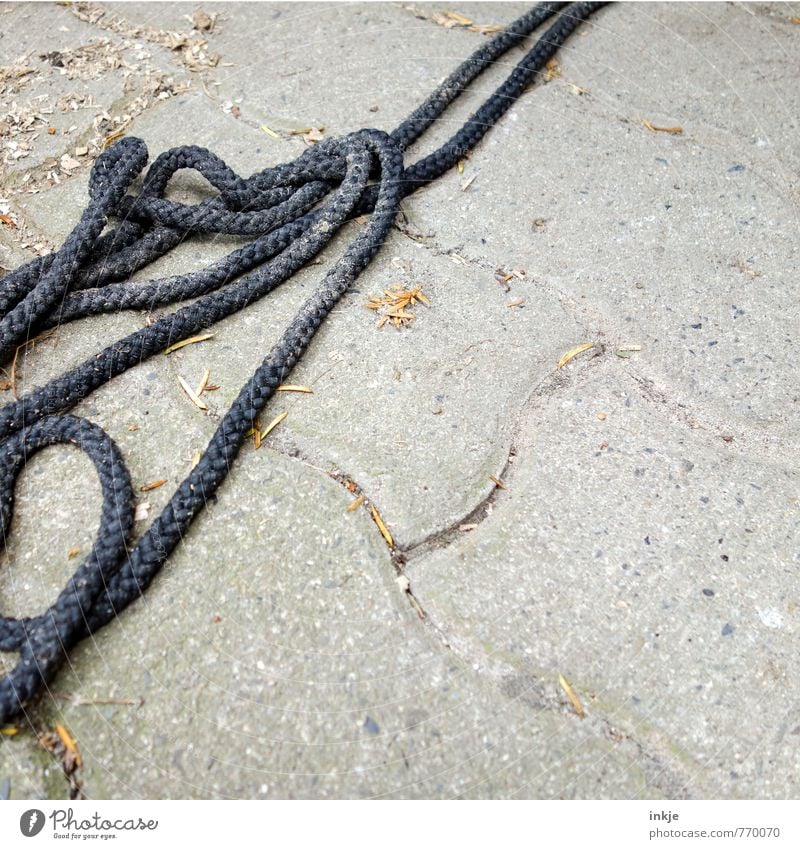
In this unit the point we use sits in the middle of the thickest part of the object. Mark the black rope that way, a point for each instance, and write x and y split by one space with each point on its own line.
293 210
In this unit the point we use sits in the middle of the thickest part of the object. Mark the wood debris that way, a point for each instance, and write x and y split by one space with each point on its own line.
197 401
502 277
272 425
270 132
450 19
468 182
73 552
190 47
573 352
192 340
200 20
376 516
62 746
517 302
395 304
675 131
572 696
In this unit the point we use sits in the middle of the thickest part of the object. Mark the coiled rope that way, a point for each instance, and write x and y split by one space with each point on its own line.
293 211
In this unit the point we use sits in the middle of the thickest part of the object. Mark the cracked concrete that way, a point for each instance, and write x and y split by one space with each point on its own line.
645 541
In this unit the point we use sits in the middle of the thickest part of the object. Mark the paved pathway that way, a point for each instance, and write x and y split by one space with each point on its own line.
644 549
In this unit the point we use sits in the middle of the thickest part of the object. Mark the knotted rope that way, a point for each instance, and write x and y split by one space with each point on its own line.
293 211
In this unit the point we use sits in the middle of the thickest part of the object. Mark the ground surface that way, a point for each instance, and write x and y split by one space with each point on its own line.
646 542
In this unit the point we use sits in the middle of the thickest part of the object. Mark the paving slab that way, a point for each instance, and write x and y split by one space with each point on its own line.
645 546
649 563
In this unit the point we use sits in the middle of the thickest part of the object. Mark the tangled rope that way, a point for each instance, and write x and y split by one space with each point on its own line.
293 211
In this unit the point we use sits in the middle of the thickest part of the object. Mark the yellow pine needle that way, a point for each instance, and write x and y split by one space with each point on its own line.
69 742
675 131
201 387
293 387
572 696
382 528
498 482
9 730
458 18
190 341
272 425
355 504
191 393
270 132
152 485
573 352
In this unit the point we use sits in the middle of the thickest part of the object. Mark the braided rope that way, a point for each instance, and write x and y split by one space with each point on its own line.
293 211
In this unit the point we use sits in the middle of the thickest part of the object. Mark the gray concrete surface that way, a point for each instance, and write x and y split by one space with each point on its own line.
646 547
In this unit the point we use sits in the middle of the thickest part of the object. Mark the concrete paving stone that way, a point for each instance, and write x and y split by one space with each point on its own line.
648 563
